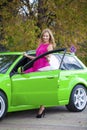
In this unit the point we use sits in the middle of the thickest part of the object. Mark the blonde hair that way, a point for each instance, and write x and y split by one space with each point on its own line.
51 40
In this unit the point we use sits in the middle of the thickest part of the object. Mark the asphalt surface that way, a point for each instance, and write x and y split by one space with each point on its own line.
56 118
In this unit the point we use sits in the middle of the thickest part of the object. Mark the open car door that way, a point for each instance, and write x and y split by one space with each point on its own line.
36 88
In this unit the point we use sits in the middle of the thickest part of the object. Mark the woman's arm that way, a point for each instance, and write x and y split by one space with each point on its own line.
50 47
28 56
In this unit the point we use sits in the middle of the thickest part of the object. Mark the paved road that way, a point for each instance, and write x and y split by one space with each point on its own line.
56 118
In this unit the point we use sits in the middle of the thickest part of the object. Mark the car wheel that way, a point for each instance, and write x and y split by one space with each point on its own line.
3 105
78 99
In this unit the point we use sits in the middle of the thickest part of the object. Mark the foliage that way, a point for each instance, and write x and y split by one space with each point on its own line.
22 21
21 35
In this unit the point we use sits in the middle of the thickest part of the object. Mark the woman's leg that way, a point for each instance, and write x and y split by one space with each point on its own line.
41 109
41 112
29 70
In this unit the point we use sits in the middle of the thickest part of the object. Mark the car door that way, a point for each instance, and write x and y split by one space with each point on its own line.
35 88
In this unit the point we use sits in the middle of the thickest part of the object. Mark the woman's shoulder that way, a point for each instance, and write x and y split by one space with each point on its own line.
50 47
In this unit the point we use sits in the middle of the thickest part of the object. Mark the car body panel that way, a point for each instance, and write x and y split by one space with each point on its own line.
68 80
5 87
40 85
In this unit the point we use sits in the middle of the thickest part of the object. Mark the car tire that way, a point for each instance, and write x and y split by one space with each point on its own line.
78 99
3 105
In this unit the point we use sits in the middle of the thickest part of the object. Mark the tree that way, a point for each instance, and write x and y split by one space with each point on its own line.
20 31
22 21
46 14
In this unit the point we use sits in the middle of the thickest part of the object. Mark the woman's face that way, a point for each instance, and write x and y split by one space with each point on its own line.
46 37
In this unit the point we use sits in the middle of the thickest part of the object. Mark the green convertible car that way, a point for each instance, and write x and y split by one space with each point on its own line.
64 84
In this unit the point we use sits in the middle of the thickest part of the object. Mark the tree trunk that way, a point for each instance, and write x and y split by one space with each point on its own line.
41 13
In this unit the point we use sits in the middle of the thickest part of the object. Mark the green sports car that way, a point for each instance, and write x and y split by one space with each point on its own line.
65 83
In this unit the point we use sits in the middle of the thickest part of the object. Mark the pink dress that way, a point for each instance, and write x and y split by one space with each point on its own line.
42 62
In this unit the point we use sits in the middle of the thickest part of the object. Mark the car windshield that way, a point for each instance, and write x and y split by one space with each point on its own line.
6 61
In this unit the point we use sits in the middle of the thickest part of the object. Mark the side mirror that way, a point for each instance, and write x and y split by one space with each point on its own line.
20 70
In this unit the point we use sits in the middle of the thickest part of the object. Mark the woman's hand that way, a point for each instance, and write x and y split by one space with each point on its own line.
28 56
25 54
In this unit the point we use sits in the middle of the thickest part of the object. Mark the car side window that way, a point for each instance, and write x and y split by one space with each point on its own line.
54 62
70 63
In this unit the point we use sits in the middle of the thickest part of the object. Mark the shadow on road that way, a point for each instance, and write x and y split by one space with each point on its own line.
32 113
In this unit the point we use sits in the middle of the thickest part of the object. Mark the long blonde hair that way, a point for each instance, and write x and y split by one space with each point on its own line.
51 40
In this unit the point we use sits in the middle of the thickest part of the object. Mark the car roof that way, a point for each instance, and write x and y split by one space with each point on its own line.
16 53
11 53
28 52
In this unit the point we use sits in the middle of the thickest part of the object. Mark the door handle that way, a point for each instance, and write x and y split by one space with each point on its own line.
51 77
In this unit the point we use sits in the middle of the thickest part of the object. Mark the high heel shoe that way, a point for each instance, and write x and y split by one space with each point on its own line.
41 115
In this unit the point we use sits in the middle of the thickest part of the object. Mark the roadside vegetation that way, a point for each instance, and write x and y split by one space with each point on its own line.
21 22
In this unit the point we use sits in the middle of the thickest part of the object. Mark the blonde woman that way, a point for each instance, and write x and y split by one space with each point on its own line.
47 43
